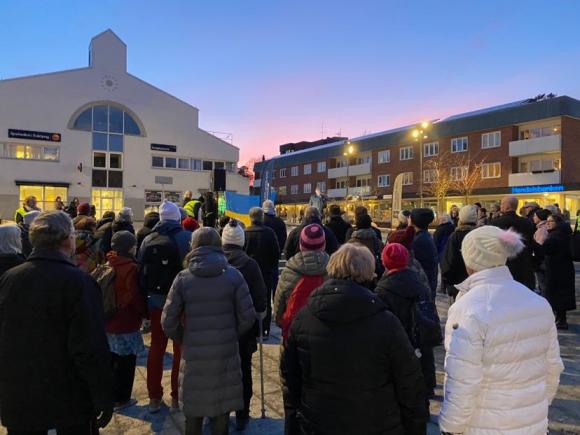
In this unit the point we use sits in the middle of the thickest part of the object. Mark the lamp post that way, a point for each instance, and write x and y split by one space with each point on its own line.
419 133
349 151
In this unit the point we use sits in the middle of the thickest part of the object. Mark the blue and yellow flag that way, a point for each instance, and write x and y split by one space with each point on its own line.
238 206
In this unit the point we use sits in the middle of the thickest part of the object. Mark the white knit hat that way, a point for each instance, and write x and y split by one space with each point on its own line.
468 214
233 234
487 247
268 207
168 211
29 217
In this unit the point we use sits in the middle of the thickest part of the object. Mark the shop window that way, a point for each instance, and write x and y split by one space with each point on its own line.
45 195
107 200
51 153
29 152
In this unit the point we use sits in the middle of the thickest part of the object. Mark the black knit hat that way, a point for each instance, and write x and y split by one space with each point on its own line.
543 214
422 217
363 221
122 242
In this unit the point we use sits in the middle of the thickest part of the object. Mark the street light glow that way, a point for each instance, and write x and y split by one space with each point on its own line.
415 133
350 149
424 124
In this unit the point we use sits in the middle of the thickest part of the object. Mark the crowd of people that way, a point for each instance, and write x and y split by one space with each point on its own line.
357 313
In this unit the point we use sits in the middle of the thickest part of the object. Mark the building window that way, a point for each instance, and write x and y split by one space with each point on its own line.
491 140
219 165
459 144
342 163
231 166
491 170
308 169
108 119
384 156
429 176
341 184
294 171
321 166
384 181
170 162
294 189
407 178
282 191
406 153
458 173
431 149
540 165
196 165
29 152
106 160
307 188
321 185
107 200
45 195
531 133
363 182
283 173
207 165
363 160
184 164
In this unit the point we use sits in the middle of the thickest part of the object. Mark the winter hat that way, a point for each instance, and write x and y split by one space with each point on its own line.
543 214
404 237
125 215
312 238
268 207
233 234
334 210
189 224
395 257
422 217
84 209
29 217
168 211
488 246
363 221
468 214
403 217
122 242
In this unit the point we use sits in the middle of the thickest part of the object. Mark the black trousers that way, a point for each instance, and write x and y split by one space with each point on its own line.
123 376
218 425
246 360
89 428
428 369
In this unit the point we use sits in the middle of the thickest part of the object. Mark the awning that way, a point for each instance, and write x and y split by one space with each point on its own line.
41 183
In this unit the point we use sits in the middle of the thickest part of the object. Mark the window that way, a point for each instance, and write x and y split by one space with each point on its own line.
321 166
29 152
107 119
231 166
342 163
307 188
406 153
107 142
341 184
321 185
458 173
430 149
157 162
107 160
384 156
363 160
107 200
407 178
219 165
530 133
196 165
170 162
540 165
183 163
99 160
363 182
207 165
491 170
384 181
308 169
459 144
294 171
283 173
491 140
282 191
294 189
429 176
45 195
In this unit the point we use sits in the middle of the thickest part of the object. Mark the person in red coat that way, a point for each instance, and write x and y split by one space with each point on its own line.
125 340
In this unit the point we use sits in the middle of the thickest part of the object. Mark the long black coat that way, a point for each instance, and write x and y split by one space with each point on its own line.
262 245
453 269
293 241
8 261
339 227
279 228
521 267
560 273
426 254
54 356
441 236
349 368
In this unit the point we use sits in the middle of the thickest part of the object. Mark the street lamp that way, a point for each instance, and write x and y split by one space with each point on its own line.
419 133
349 151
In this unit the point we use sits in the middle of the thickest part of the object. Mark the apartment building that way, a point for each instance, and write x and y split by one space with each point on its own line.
529 148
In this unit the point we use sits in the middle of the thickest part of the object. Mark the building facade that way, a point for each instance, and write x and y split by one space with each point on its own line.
104 136
530 148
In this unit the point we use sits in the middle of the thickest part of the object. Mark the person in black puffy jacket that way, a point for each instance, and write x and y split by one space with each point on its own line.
337 224
151 219
311 216
348 367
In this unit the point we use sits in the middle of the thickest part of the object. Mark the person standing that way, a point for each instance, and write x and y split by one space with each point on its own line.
424 246
58 204
123 221
54 359
365 235
358 212
150 220
560 273
83 209
348 367
337 224
10 247
502 362
233 239
160 260
521 266
86 255
28 205
261 244
24 225
311 216
279 227
540 236
443 232
318 200
209 209
208 307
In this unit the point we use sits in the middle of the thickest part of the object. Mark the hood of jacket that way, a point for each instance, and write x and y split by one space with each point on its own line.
207 261
309 263
116 260
343 301
104 221
495 275
403 283
167 227
236 256
364 234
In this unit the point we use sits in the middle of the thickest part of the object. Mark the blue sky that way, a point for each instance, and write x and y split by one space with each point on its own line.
272 71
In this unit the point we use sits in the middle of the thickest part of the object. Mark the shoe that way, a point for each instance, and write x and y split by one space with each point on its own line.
155 405
175 405
242 423
123 405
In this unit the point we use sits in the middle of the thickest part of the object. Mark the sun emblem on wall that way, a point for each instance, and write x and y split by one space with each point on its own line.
109 83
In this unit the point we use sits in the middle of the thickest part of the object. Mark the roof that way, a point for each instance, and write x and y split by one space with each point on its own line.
513 113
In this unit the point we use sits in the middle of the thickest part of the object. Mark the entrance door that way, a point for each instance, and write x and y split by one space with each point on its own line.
107 200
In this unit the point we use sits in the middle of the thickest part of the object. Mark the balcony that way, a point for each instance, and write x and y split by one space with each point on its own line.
353 170
536 145
534 178
258 183
360 191
336 193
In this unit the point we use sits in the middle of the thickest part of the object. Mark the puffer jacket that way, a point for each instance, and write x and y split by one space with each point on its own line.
303 263
502 366
208 307
368 238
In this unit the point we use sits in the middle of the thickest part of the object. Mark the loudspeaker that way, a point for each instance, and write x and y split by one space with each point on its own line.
219 180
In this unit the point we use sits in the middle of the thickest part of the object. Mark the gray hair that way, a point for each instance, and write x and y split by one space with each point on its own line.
256 214
206 236
311 212
509 203
352 261
10 241
50 229
445 218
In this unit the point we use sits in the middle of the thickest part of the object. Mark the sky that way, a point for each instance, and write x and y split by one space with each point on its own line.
271 71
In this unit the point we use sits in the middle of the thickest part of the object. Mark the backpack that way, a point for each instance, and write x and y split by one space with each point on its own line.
298 298
161 263
105 274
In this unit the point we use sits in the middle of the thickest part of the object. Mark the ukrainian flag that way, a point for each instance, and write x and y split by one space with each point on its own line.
238 206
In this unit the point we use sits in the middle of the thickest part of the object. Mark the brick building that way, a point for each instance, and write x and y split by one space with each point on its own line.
528 147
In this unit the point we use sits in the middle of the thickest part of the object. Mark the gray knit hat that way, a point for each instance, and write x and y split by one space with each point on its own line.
123 241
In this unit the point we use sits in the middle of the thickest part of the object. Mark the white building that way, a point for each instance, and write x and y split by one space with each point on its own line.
105 136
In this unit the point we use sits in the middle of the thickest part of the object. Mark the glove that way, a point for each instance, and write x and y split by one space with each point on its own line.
104 415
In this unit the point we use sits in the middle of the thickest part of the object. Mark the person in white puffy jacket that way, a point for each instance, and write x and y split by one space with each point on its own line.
502 363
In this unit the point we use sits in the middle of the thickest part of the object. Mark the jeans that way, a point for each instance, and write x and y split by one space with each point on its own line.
123 376
155 359
89 428
218 425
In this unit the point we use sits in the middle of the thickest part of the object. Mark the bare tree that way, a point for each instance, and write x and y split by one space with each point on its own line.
437 177
465 174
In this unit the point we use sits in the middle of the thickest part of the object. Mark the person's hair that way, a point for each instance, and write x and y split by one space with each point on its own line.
10 240
205 236
223 220
445 218
511 202
334 210
360 210
477 204
557 218
85 223
50 229
109 215
29 198
311 212
256 214
352 261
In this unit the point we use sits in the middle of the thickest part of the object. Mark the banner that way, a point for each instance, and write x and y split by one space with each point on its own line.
238 206
397 198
